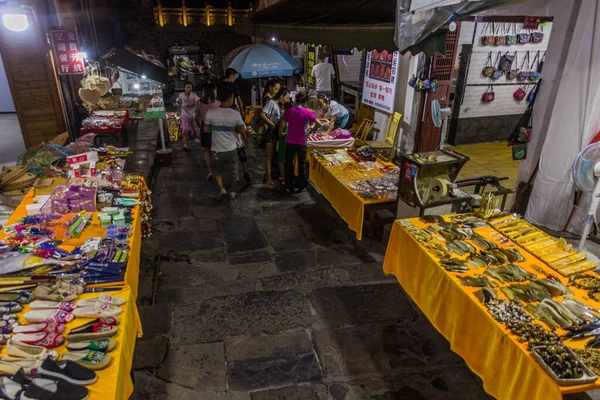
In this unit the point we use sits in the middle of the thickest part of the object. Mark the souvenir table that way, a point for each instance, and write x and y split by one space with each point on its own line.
106 122
507 369
351 186
114 381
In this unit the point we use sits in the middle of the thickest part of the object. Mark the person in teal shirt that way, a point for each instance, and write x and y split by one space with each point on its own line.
338 115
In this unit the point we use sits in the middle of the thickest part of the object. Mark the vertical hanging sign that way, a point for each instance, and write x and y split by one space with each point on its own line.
66 52
311 57
379 89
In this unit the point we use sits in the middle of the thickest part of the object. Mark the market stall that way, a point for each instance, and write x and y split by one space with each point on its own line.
461 272
356 183
104 122
69 268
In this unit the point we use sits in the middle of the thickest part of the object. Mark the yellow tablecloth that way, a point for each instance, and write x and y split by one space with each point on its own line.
348 204
504 365
95 230
114 382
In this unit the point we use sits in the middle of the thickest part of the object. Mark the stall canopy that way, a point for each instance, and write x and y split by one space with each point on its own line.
132 62
418 22
259 60
355 23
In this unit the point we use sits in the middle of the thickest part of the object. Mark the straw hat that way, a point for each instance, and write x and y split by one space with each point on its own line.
15 180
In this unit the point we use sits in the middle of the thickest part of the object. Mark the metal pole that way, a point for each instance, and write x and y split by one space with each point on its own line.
259 93
162 133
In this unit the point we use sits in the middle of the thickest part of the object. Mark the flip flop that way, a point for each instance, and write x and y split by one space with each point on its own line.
92 331
58 316
103 298
48 340
45 305
46 326
28 351
96 310
103 345
91 359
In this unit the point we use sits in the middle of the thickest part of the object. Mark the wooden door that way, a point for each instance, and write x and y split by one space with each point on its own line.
442 69
31 78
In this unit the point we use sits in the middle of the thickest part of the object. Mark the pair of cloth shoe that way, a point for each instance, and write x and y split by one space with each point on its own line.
64 380
100 328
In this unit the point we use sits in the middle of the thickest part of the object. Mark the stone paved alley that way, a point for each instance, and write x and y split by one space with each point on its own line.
268 297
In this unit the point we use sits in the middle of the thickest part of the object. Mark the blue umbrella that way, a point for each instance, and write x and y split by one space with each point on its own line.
260 61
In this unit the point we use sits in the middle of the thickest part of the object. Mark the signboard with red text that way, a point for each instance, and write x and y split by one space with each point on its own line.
379 89
66 48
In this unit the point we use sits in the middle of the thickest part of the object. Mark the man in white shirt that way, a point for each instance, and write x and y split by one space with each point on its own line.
323 73
225 126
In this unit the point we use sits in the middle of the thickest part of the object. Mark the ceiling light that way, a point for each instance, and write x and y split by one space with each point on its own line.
136 86
144 76
15 22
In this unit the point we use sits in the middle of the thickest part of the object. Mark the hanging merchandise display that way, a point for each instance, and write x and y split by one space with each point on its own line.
520 93
488 96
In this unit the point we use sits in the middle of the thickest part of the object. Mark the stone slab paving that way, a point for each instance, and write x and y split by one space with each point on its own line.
270 297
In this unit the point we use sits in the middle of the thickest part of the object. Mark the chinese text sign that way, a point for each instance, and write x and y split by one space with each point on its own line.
379 89
66 49
311 57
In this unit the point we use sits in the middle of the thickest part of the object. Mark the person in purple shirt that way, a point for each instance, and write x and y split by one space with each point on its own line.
298 119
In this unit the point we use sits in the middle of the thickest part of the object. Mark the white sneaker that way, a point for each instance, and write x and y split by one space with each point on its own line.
222 194
231 195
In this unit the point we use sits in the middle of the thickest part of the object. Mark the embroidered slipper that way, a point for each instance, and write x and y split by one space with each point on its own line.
96 310
92 331
10 307
103 298
48 340
46 326
45 305
103 345
7 326
58 316
91 359
28 351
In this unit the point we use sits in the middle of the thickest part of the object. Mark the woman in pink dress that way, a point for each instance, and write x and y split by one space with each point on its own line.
187 107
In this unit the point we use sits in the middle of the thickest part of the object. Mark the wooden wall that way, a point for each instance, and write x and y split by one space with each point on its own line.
33 84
